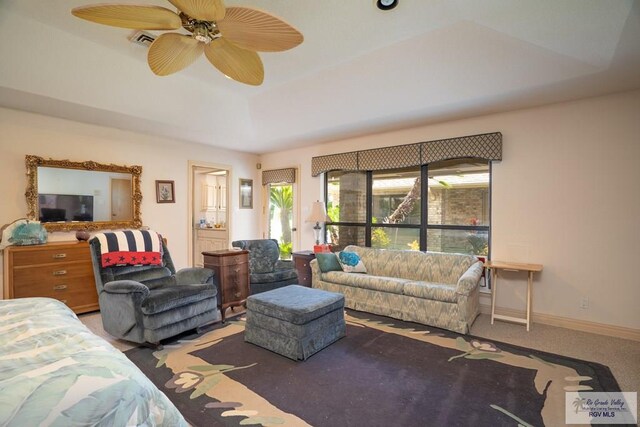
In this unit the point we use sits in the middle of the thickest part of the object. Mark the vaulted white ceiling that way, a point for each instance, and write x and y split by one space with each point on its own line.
360 70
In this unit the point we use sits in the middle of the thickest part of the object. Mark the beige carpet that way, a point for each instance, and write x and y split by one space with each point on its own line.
622 356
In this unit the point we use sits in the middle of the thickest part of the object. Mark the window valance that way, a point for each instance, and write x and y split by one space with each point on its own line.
486 146
279 175
342 161
400 156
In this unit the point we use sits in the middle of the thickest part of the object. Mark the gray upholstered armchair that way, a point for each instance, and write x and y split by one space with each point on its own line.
152 302
266 270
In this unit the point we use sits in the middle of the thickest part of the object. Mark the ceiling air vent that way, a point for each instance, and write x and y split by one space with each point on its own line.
142 38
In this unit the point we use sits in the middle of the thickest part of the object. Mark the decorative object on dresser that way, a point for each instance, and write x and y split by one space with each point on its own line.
22 232
151 302
60 270
267 271
232 271
82 235
302 261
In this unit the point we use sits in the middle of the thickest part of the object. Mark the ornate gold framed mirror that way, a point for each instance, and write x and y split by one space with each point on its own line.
66 195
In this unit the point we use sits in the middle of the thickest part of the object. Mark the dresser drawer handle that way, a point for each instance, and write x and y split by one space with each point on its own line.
59 287
63 301
237 270
60 272
59 256
237 294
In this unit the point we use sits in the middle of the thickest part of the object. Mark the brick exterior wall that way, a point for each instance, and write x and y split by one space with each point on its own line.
456 206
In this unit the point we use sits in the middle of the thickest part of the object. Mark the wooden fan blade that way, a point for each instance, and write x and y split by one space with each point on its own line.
242 65
173 52
203 10
127 16
256 30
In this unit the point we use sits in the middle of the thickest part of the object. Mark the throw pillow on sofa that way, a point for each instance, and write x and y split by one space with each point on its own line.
351 262
328 262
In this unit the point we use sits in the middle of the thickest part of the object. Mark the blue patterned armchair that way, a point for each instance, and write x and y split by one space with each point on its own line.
146 304
266 270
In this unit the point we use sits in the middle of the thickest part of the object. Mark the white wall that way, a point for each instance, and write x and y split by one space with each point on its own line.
565 195
161 159
72 73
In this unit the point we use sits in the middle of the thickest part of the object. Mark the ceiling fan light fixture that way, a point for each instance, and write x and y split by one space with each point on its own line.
201 33
246 31
386 4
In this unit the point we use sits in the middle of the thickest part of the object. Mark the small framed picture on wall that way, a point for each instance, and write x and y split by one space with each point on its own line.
165 192
246 193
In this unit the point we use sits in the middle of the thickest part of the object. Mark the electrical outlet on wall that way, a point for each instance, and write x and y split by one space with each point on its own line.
584 302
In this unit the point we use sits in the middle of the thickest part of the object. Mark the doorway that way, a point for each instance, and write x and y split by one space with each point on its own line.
282 216
209 219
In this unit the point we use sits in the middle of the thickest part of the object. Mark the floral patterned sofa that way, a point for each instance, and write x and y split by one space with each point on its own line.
432 288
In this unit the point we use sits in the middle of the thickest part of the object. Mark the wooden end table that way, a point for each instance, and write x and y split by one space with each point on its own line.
495 267
232 274
301 261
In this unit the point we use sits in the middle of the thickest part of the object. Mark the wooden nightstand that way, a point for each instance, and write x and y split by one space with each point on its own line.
301 261
232 274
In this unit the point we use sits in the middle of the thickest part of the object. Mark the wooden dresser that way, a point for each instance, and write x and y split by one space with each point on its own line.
232 274
60 270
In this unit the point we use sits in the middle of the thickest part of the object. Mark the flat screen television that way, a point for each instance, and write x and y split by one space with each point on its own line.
65 207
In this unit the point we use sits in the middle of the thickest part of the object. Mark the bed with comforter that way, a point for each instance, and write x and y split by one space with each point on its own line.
55 372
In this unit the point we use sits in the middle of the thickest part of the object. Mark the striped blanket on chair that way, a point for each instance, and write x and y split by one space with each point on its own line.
130 247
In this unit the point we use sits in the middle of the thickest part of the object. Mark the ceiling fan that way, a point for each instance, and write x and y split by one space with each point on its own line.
229 37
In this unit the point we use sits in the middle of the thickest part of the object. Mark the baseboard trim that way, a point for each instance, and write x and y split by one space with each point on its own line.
565 322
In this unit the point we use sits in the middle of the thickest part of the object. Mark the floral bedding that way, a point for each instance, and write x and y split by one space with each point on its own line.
55 372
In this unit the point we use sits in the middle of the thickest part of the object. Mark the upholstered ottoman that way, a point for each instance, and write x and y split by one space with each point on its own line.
295 321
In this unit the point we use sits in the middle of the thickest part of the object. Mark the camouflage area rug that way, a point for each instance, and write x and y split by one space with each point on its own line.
385 372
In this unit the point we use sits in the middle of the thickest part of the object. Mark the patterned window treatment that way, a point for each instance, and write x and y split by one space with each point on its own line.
486 146
279 175
400 156
343 161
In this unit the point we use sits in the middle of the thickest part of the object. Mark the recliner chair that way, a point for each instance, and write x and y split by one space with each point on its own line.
266 270
146 304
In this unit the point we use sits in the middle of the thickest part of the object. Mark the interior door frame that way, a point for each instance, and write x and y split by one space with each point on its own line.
192 165
296 220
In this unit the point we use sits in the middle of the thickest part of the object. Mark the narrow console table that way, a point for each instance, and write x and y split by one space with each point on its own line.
232 274
495 267
301 262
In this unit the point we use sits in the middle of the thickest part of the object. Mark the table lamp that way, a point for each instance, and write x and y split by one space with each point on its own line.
318 215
